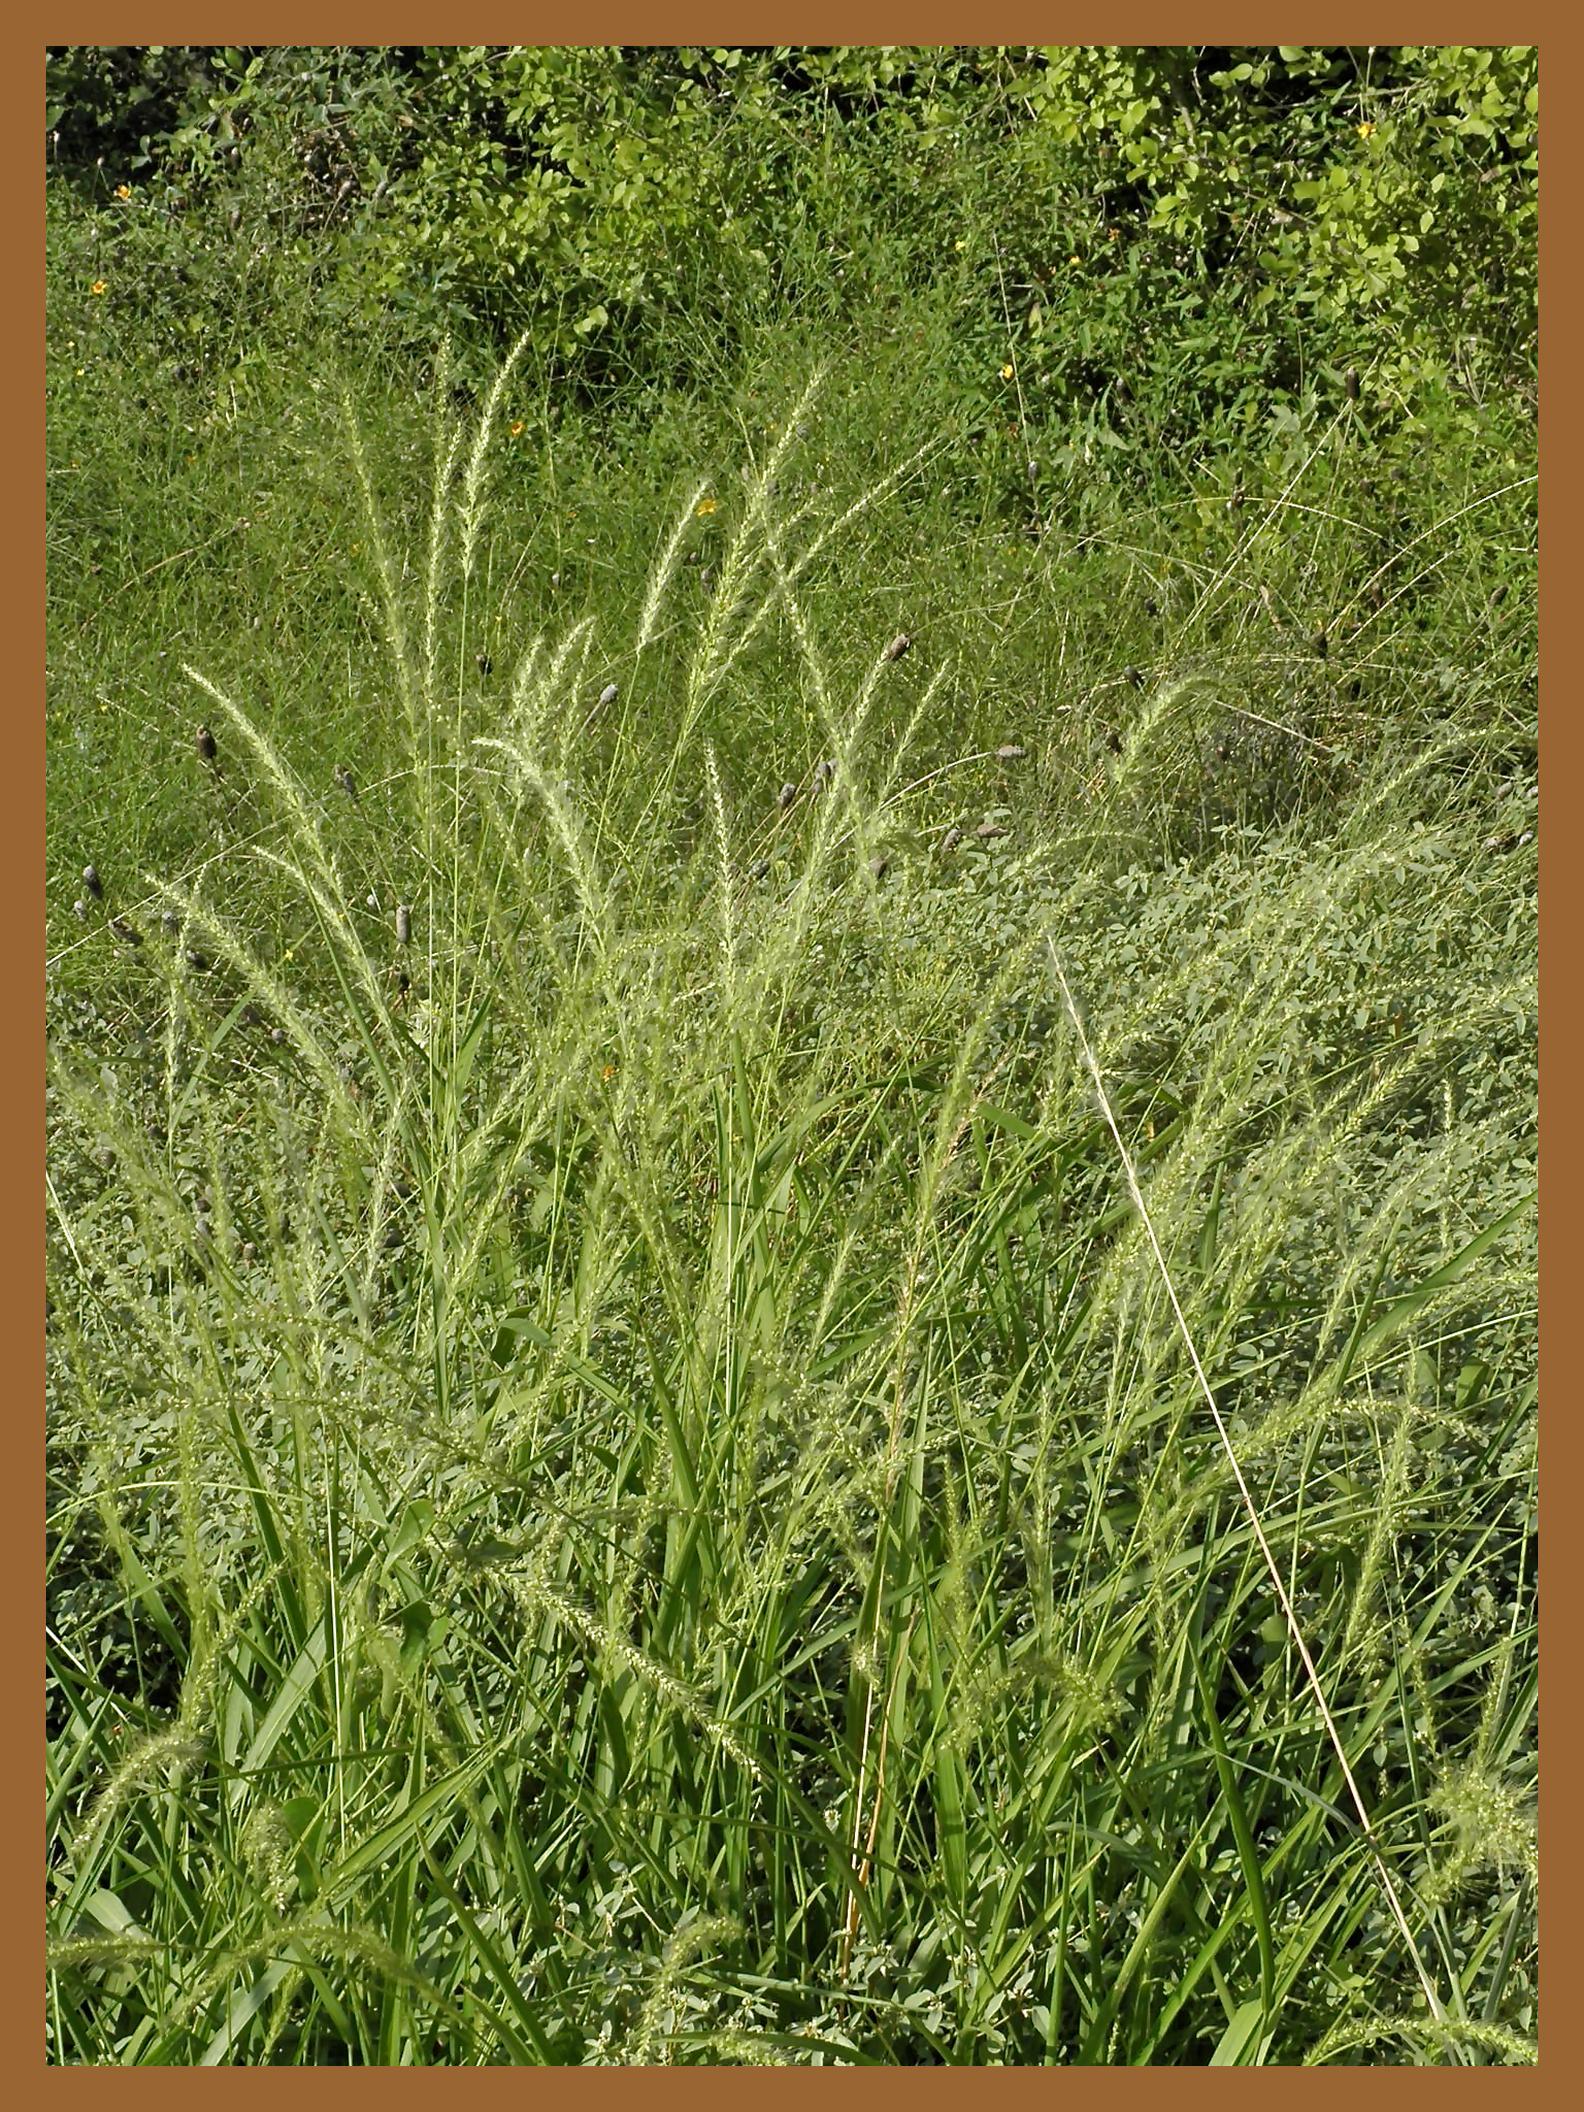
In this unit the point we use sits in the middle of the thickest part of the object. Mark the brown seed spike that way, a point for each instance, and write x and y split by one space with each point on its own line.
898 646
204 742
786 795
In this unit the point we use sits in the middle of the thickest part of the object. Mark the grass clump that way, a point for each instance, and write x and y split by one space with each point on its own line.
631 1477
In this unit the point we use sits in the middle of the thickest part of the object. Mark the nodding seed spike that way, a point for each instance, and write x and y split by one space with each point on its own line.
403 923
786 795
92 882
610 693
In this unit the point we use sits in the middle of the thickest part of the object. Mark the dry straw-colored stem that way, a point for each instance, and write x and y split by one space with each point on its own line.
1291 1619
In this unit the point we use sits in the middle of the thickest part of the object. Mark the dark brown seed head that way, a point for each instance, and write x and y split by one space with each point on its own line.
951 839
204 742
80 908
485 663
125 932
1350 384
880 867
170 922
786 795
93 883
1135 675
197 960
347 782
759 868
898 646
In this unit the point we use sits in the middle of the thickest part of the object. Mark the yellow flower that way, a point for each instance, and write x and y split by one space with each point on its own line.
1075 260
1365 129
1006 371
609 1071
98 287
516 427
704 506
123 190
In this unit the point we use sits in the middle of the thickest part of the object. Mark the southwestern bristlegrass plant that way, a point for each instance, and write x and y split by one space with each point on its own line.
668 1517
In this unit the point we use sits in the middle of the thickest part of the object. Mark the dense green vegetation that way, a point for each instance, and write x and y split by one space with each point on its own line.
791 1184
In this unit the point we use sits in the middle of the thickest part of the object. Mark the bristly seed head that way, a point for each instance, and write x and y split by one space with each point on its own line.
403 923
786 795
93 883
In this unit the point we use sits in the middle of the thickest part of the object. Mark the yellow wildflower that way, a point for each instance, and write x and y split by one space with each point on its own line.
1006 371
123 190
704 506
516 427
98 287
1365 129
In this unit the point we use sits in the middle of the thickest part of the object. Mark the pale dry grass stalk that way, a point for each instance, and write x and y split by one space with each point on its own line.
1249 1506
